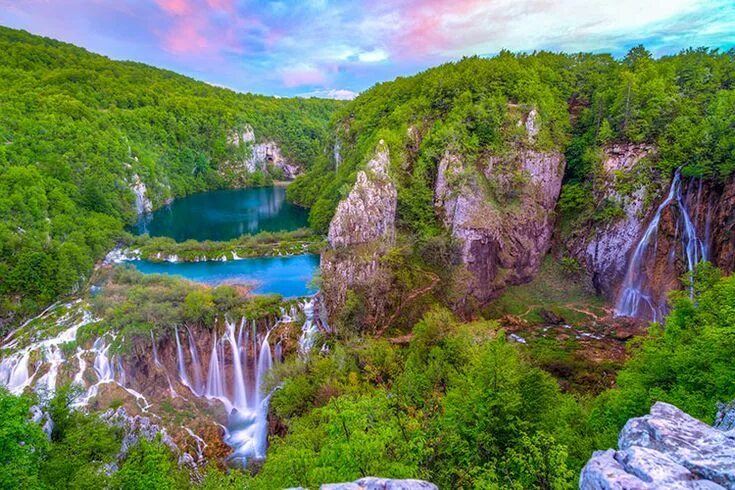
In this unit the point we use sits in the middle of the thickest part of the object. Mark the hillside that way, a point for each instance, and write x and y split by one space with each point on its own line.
80 132
497 161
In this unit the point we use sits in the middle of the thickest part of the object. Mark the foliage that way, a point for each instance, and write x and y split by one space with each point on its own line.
150 465
23 444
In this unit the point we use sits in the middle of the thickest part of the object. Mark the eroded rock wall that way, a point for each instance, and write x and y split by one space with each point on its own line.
501 214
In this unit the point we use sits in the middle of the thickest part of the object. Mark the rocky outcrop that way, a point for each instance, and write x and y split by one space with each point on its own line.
258 156
368 213
501 213
134 429
666 449
372 483
604 252
361 231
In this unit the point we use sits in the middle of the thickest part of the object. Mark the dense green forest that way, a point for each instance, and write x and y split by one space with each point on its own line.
75 128
459 406
684 104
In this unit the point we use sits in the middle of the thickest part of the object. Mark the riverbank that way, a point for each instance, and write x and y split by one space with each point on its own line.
263 244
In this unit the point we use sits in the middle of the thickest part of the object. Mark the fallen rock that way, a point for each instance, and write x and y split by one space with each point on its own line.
372 483
665 449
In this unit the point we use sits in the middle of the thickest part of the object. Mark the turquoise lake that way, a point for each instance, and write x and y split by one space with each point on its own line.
224 214
287 276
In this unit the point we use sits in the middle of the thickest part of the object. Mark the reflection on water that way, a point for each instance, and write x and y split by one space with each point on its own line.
223 215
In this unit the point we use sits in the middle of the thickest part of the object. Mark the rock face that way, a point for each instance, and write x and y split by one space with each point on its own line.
501 214
369 211
604 253
723 224
362 230
666 449
372 483
257 156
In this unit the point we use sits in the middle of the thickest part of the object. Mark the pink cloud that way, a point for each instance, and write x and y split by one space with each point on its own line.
194 29
226 5
185 37
429 27
175 7
302 75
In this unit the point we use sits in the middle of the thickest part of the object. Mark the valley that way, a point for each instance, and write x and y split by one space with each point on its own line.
474 276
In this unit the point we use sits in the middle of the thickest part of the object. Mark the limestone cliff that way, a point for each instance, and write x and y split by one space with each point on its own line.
252 156
361 231
368 213
666 449
501 213
603 251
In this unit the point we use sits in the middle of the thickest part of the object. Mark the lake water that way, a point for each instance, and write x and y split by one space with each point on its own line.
287 276
224 214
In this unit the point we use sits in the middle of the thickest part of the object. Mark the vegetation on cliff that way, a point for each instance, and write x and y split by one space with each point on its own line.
684 104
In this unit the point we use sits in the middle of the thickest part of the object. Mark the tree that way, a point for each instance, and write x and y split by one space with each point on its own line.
23 444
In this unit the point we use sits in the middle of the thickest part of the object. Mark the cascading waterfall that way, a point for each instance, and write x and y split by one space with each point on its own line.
182 363
309 329
635 298
230 382
234 373
215 381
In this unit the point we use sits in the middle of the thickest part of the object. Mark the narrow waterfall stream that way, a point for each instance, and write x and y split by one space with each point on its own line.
637 298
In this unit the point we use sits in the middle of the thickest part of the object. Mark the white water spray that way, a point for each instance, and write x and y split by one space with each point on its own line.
636 299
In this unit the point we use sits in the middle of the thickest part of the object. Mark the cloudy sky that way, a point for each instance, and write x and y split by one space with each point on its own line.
337 48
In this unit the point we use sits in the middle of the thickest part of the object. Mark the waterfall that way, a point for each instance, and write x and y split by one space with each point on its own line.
240 400
337 153
196 365
635 298
309 329
215 382
182 366
79 377
101 362
265 361
19 377
155 350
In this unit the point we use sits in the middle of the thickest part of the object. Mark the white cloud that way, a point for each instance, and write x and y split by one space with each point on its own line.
338 94
372 56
